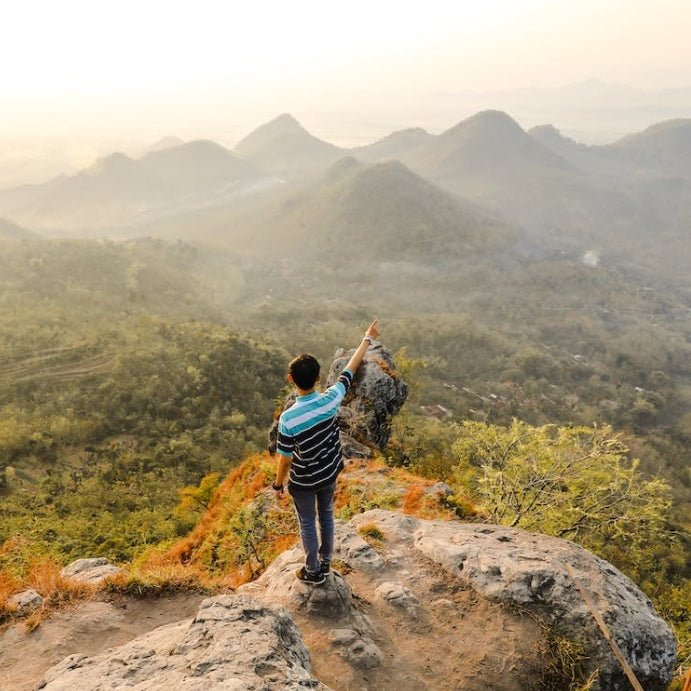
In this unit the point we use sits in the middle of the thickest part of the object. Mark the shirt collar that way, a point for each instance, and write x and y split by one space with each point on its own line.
307 397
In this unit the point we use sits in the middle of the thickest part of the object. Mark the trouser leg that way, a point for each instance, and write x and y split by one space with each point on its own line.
325 507
305 502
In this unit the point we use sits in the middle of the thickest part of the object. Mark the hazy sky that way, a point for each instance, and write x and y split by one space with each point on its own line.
181 66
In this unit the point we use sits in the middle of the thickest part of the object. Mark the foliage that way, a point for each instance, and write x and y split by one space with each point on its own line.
573 482
193 499
132 370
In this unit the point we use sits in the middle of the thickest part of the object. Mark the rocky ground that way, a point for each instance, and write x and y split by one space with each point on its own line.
418 605
88 628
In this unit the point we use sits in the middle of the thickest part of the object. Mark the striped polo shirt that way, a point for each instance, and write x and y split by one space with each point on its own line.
308 433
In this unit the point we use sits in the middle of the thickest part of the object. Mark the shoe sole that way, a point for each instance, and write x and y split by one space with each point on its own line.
310 582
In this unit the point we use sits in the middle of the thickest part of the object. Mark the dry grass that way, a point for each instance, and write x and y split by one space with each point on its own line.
9 585
372 534
154 580
43 576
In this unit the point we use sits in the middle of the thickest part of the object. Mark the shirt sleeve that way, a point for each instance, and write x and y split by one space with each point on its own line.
338 390
284 442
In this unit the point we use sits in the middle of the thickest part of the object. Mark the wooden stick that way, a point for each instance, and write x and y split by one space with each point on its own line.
606 632
687 683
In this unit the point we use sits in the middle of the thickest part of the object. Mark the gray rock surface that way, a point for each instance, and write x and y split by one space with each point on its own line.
399 596
351 548
234 643
378 393
423 610
333 600
516 567
27 599
278 584
92 570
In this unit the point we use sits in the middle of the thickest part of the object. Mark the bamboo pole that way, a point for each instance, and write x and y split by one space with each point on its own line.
597 615
687 683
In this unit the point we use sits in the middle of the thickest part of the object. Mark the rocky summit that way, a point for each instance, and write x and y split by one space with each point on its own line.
411 604
378 393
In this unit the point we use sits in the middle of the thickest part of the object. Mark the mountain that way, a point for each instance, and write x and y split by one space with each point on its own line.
118 190
489 159
562 192
593 160
664 147
487 146
380 213
393 146
285 148
552 138
164 143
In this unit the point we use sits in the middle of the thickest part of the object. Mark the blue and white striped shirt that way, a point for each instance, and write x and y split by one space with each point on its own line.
308 433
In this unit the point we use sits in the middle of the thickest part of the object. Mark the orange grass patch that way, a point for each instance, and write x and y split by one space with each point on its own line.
9 585
412 499
43 575
230 495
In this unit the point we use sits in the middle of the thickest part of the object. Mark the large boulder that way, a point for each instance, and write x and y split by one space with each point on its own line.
378 393
530 570
92 570
234 643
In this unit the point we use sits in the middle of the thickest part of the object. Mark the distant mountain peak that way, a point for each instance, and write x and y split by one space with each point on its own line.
548 130
113 163
283 147
286 120
487 125
344 166
168 142
494 119
549 134
282 125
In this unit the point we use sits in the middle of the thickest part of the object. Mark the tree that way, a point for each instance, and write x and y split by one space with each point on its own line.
197 498
573 482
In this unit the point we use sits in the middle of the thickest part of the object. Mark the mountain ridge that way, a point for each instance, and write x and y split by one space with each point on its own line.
284 147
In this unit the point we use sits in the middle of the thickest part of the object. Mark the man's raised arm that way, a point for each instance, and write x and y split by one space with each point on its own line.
371 334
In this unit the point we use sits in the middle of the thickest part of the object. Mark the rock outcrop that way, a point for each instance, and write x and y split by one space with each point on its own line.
234 643
93 570
515 567
378 393
424 608
26 600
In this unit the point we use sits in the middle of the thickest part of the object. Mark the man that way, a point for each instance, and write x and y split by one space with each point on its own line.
309 451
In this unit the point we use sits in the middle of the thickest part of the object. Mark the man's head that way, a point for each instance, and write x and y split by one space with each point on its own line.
304 371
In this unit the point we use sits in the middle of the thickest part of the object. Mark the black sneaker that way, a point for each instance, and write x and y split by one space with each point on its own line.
312 578
325 569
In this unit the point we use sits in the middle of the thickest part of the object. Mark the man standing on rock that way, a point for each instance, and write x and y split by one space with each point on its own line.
309 451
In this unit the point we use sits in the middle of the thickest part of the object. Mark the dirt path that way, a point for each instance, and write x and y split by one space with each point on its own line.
454 639
88 628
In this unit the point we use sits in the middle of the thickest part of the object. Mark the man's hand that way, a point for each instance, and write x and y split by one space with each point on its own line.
373 333
373 329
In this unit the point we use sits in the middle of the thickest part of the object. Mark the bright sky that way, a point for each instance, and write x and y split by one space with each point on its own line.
100 63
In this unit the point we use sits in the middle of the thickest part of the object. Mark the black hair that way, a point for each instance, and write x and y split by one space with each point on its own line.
304 370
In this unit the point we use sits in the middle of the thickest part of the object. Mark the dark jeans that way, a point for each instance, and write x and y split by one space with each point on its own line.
309 503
